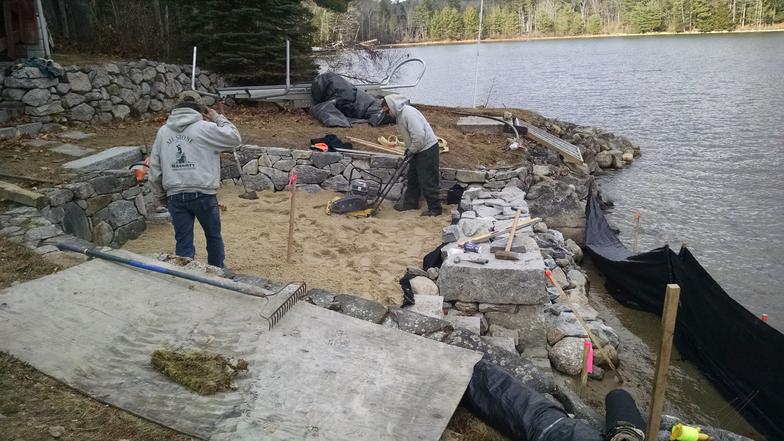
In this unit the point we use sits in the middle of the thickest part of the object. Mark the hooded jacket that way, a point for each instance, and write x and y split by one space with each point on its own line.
411 124
186 153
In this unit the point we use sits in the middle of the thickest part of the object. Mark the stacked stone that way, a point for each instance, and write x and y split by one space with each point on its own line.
565 335
269 169
508 302
106 208
102 93
600 148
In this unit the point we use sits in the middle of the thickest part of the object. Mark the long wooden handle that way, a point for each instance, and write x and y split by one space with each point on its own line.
585 325
514 230
291 225
375 146
484 236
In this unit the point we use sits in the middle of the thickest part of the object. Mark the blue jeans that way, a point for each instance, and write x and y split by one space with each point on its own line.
184 207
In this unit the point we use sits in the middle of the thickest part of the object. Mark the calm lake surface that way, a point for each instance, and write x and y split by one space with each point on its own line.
707 111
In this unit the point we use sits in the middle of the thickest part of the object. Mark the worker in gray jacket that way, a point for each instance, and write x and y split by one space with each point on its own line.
185 172
422 144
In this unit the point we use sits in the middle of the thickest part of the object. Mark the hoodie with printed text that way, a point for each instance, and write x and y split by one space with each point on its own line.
186 153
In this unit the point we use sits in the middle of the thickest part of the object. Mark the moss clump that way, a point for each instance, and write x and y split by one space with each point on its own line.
201 372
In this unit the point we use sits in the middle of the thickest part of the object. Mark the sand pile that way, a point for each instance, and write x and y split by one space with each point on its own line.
360 256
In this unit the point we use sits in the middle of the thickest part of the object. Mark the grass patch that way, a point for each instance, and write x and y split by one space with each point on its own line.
201 372
471 428
20 264
31 402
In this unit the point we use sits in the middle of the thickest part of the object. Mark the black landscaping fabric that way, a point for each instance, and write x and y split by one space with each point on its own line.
741 355
338 103
519 412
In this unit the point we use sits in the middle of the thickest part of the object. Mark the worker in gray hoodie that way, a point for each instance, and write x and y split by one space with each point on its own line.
185 172
422 145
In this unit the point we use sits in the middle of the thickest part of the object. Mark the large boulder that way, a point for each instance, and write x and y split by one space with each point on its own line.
566 356
558 204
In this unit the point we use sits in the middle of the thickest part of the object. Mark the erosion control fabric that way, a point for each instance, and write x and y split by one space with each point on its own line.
738 352
518 411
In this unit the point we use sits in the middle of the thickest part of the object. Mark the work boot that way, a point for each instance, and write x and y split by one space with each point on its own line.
436 211
402 205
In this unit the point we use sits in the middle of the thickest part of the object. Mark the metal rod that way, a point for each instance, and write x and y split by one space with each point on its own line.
288 65
193 70
227 284
478 41
39 10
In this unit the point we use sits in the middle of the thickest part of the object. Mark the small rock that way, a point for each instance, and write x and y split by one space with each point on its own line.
596 373
540 227
560 277
56 431
467 307
432 273
600 360
424 286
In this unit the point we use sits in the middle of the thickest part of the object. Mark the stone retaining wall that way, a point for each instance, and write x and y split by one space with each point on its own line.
99 93
269 168
106 208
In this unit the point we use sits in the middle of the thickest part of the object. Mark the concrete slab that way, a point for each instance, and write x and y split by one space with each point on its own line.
318 373
474 124
431 306
499 281
72 150
111 159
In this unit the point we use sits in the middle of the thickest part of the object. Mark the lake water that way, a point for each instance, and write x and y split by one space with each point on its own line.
707 111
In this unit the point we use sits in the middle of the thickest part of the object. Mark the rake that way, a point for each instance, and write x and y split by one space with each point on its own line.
291 293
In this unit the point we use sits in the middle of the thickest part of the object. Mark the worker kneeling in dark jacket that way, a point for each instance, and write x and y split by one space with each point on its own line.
422 145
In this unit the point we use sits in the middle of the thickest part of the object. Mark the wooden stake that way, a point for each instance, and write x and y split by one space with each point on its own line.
292 188
584 376
669 315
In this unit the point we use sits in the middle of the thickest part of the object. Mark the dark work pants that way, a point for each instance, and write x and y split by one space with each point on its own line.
424 178
184 207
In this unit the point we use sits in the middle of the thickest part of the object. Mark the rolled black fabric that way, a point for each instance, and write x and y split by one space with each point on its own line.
519 412
738 352
623 420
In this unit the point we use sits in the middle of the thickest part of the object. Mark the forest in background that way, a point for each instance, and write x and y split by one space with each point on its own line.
245 39
436 20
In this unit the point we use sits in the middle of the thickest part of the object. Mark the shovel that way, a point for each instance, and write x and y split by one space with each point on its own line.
506 253
247 194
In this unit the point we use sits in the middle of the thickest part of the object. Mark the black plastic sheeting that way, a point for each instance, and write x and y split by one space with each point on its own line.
519 412
337 102
741 355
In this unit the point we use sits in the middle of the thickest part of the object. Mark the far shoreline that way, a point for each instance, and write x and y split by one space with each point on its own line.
567 37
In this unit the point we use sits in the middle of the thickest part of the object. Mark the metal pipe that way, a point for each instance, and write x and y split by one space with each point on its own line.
43 29
288 65
193 70
227 284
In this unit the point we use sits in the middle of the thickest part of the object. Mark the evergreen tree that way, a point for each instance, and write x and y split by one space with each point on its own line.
421 20
646 17
245 40
594 25
543 22
712 15
470 23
